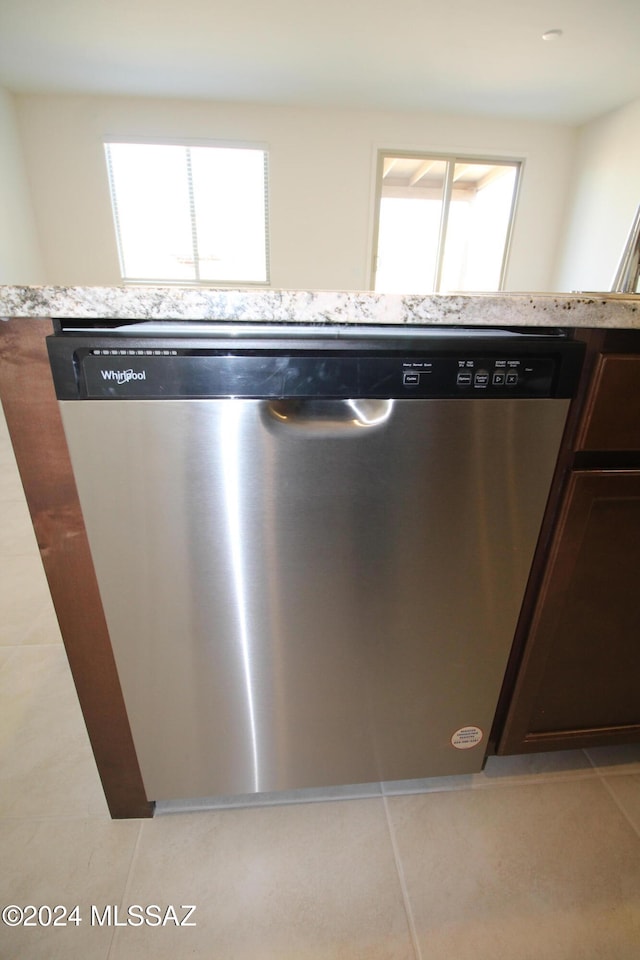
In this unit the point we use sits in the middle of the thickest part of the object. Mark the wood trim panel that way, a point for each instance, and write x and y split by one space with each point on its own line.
35 427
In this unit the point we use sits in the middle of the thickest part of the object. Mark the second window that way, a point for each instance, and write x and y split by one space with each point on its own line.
443 223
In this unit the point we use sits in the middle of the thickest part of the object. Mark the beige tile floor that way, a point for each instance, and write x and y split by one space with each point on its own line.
535 858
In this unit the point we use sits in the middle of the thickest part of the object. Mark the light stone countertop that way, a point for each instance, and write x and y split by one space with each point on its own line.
321 307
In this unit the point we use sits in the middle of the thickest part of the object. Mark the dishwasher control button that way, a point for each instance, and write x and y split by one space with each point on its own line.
411 379
481 378
498 378
511 379
464 378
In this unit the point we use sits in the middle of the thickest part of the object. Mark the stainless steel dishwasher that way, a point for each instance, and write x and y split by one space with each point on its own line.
311 543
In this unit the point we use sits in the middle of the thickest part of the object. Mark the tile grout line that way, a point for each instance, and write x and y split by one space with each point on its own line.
31 646
403 883
590 760
111 955
619 805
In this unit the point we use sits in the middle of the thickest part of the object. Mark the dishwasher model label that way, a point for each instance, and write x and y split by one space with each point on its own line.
467 737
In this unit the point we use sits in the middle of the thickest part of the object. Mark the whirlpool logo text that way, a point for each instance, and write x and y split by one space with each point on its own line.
123 376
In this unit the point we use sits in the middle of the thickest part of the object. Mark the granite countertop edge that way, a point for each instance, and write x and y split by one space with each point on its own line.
321 306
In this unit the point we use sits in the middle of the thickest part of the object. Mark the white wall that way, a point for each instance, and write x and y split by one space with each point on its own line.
605 197
322 170
20 261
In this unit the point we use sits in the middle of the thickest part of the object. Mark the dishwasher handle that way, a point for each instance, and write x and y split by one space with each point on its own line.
329 417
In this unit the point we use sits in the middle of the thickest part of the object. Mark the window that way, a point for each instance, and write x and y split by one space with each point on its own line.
189 213
443 223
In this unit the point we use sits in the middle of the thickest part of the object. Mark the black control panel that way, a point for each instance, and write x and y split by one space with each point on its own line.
495 376
119 368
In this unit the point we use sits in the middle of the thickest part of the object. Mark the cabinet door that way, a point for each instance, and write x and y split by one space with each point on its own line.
579 682
612 420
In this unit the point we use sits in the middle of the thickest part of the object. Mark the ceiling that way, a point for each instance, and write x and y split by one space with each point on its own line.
485 58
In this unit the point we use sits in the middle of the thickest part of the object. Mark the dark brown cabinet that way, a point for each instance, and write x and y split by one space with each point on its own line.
577 678
612 412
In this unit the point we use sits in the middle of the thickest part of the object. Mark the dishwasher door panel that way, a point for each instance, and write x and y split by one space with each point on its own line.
300 595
